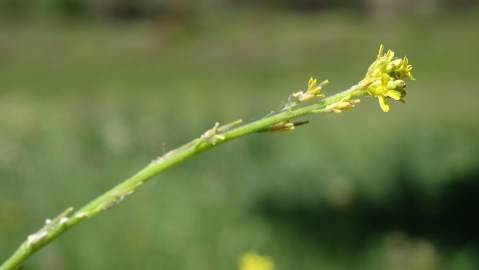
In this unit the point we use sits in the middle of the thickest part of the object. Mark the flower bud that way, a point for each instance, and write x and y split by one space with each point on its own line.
391 85
397 63
389 68
400 84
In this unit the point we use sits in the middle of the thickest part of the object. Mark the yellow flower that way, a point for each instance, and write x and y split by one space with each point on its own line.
384 78
313 91
403 69
253 261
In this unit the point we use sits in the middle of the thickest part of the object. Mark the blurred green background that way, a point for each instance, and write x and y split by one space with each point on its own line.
91 91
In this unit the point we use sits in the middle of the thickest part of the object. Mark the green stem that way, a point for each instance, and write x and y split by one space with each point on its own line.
68 219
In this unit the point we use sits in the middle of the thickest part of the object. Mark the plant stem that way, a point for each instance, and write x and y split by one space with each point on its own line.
68 219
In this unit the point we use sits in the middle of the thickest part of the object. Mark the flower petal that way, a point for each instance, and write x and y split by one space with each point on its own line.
394 94
381 50
382 103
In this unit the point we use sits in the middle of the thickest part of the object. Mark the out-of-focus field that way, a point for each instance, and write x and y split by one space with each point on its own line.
83 106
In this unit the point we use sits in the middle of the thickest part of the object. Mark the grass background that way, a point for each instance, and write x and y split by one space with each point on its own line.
83 105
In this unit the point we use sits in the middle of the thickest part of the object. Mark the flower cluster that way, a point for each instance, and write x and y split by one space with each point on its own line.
253 261
385 78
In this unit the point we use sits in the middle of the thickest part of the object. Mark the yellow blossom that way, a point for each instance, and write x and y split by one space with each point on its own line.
403 70
313 91
385 77
253 261
314 88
